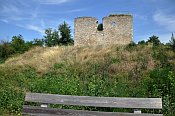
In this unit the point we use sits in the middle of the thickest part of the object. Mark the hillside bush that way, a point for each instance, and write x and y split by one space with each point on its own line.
100 27
162 84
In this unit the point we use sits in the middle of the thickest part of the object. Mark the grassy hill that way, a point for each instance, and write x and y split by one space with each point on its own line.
123 71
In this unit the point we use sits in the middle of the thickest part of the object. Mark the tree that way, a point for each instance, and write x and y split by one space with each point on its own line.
37 42
142 42
172 42
55 37
29 44
5 50
51 38
155 40
18 44
65 33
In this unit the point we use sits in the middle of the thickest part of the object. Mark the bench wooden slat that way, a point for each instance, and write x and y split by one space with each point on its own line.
116 102
38 111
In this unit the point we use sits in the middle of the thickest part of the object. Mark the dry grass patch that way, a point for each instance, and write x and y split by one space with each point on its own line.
43 59
40 58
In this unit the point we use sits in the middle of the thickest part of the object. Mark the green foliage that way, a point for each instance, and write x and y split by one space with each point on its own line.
51 38
162 84
29 44
162 81
159 53
11 99
100 27
93 78
142 42
131 46
72 81
155 40
5 50
18 44
13 87
37 42
65 33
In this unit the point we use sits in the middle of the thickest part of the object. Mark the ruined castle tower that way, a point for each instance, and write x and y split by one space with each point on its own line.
117 29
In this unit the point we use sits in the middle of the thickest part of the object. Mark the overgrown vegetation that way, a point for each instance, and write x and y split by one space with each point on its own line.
128 71
135 70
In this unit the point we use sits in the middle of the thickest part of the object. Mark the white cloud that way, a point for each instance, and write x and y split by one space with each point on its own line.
4 20
165 20
167 23
36 28
75 10
11 12
9 8
53 1
21 16
30 16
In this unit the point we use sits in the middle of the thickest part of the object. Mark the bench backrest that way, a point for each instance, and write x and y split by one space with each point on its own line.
115 102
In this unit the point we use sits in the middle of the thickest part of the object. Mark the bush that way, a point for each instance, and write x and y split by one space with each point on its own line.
142 42
18 44
5 50
131 46
162 84
11 99
100 27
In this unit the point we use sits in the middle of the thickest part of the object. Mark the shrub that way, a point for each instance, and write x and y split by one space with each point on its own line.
162 84
131 46
11 99
100 27
142 42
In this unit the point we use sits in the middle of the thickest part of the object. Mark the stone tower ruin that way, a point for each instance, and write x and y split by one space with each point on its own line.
117 29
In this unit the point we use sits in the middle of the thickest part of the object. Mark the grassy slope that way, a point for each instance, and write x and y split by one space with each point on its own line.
93 70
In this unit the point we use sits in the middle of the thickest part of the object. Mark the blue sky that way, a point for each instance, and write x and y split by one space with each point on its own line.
31 17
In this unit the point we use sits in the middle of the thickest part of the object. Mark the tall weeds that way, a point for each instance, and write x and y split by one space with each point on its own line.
134 71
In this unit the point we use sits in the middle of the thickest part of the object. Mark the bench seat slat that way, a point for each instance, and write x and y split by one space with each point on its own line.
116 102
38 111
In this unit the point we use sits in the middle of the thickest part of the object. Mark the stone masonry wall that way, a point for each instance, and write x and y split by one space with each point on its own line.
117 29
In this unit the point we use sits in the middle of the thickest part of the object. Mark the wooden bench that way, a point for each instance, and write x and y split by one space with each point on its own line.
114 102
